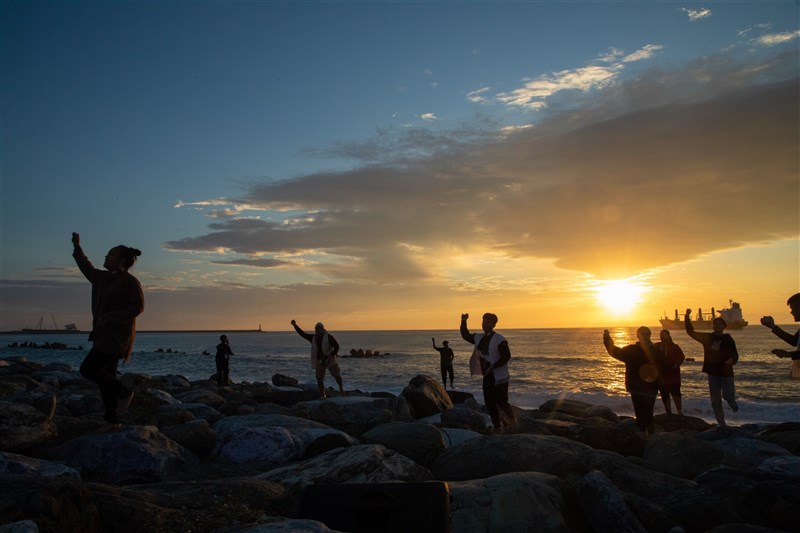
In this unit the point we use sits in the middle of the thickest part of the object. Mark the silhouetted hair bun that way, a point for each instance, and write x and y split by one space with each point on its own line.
128 255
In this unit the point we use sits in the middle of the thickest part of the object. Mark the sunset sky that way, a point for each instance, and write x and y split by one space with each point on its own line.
391 165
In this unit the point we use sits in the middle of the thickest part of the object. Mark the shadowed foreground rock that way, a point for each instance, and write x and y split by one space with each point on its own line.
195 457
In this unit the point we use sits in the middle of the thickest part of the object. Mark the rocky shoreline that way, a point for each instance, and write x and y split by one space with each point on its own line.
194 457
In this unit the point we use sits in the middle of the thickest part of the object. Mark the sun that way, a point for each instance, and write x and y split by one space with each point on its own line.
619 297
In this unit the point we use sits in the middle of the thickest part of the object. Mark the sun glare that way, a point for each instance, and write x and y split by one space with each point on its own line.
619 297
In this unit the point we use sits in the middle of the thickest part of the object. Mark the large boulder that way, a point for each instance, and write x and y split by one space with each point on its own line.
605 507
371 463
52 503
136 454
202 505
196 436
460 417
426 396
417 441
681 455
14 464
23 426
204 396
355 414
786 434
268 441
516 502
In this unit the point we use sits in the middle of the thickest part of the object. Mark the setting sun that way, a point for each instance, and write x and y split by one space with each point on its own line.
619 297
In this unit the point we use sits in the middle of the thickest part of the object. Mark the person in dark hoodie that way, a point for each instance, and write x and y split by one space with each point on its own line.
643 362
719 356
117 300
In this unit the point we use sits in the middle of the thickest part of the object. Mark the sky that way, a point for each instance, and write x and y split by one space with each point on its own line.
392 165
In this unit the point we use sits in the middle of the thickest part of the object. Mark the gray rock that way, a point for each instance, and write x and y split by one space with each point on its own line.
455 437
516 502
204 411
782 465
461 417
681 455
53 504
354 414
289 526
137 454
417 441
11 463
204 396
605 507
196 436
23 426
23 526
370 463
426 396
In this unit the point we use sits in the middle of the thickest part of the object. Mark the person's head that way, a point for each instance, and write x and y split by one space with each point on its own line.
121 258
665 335
319 328
719 325
223 338
445 343
489 322
644 334
794 306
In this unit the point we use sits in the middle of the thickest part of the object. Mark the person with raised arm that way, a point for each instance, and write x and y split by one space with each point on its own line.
446 357
490 360
117 299
324 356
794 308
719 356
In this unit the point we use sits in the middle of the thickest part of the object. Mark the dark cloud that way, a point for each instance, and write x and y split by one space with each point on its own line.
260 262
662 169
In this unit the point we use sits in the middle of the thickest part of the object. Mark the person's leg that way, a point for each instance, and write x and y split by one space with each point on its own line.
337 375
102 369
664 392
639 411
715 393
450 371
501 395
444 376
321 380
729 393
490 401
676 396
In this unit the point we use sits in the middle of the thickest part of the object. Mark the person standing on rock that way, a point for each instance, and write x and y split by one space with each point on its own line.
490 360
224 354
324 355
719 356
446 361
642 363
670 386
117 299
794 308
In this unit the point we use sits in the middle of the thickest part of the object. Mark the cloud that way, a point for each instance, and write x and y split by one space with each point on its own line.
696 14
264 262
658 169
428 117
778 38
478 95
534 94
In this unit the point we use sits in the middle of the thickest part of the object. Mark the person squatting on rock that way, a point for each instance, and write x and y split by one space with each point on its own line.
670 385
794 308
490 360
719 356
445 361
223 356
643 362
117 300
324 355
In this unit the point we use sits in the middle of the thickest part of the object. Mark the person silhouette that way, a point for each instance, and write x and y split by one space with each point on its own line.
222 359
794 308
445 361
324 355
117 299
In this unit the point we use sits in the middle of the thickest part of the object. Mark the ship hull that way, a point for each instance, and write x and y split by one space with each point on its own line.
668 323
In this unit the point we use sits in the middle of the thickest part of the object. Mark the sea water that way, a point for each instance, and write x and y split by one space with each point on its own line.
546 364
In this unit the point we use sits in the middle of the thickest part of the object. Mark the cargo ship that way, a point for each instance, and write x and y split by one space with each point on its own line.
732 316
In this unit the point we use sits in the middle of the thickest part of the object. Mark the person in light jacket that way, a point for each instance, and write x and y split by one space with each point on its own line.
490 359
324 356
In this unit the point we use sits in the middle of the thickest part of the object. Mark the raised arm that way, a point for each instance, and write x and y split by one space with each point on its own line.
769 322
86 267
306 336
465 334
612 350
687 322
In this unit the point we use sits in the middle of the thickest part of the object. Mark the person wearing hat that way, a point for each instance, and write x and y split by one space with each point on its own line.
324 355
719 356
446 361
223 356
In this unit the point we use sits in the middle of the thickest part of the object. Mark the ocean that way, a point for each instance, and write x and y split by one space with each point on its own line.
546 364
